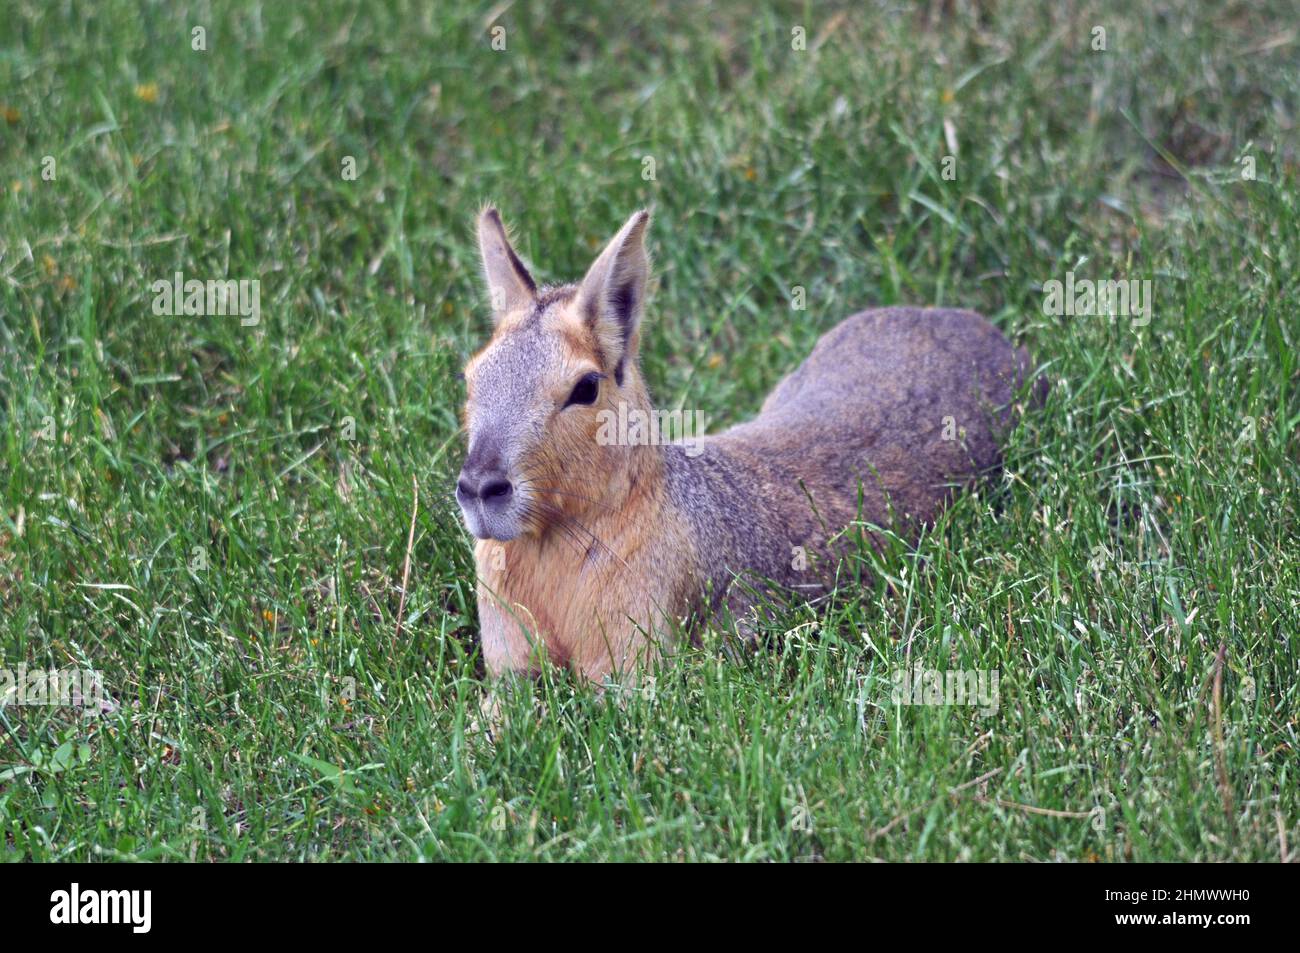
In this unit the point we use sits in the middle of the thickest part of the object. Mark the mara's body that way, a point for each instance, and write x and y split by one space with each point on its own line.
591 552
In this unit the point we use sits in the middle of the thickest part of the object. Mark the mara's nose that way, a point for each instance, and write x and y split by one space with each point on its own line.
488 485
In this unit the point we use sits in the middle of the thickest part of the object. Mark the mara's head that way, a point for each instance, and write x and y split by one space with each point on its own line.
559 363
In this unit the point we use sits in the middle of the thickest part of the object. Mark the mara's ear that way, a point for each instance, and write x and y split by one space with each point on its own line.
612 295
509 284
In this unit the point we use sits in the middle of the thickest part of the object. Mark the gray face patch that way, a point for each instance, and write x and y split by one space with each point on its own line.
507 393
508 413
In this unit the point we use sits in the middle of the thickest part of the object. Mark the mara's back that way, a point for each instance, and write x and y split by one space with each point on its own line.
894 409
913 399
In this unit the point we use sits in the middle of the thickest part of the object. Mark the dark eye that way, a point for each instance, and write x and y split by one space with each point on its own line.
584 392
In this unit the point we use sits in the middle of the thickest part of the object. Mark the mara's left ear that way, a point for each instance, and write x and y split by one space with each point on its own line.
612 295
510 286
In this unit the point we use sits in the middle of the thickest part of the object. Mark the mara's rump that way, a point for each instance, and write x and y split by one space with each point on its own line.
906 403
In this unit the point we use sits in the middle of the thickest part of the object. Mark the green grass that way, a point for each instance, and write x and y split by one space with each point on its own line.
1140 528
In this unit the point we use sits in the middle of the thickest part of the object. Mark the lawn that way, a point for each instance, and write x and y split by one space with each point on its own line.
212 512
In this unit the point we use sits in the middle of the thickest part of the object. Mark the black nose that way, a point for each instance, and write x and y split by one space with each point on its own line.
491 487
483 477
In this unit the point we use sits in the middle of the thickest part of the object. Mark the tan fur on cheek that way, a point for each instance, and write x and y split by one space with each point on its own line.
570 472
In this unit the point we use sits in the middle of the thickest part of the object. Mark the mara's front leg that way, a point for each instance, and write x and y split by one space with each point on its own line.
620 653
507 637
615 657
514 651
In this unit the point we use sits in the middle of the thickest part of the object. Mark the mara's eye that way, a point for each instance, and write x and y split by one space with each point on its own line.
584 392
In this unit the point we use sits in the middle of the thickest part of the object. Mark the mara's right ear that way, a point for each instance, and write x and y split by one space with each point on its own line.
612 295
510 286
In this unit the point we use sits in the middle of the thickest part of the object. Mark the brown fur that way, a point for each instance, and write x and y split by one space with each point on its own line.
601 550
